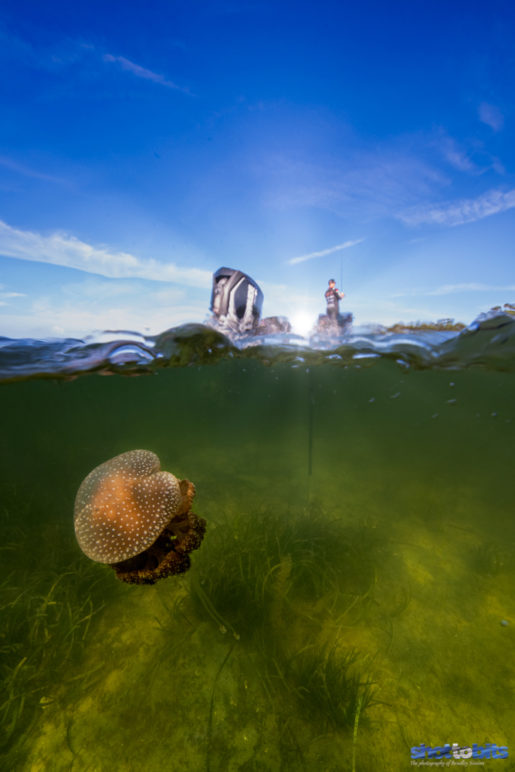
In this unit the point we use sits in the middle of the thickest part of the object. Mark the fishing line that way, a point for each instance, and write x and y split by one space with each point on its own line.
311 417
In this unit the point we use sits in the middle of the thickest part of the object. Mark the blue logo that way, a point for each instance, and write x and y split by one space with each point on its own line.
459 752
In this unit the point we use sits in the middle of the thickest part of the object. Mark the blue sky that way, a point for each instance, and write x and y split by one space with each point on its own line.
144 145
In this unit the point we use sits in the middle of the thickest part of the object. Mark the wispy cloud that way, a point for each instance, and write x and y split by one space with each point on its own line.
491 115
363 184
457 157
69 251
142 72
324 252
369 182
469 156
27 171
62 317
451 289
460 212
69 51
7 296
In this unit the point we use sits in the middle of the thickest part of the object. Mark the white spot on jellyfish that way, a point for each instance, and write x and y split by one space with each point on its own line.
123 505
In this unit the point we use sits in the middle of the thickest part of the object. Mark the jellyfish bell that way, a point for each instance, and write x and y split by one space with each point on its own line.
137 518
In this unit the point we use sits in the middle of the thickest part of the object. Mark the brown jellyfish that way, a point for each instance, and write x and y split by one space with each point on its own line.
137 519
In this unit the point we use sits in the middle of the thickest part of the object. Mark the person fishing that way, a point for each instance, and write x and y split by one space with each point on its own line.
333 297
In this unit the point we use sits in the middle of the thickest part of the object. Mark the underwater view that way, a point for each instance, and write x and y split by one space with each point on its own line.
352 598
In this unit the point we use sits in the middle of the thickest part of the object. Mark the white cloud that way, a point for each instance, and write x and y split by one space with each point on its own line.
68 251
362 184
368 182
142 72
491 115
457 157
54 318
26 171
449 289
460 212
5 294
324 252
473 158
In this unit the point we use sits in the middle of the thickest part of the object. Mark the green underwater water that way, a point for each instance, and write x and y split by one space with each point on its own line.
345 605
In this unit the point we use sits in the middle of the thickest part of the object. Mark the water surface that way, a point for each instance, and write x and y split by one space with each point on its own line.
354 593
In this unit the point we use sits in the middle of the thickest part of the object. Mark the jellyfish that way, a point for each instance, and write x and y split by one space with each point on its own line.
136 518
